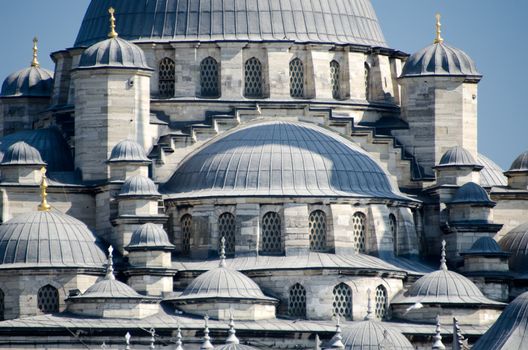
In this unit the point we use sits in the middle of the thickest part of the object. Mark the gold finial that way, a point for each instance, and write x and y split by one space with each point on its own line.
438 39
44 206
35 62
113 33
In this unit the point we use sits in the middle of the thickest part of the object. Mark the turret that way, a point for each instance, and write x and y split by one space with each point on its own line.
518 173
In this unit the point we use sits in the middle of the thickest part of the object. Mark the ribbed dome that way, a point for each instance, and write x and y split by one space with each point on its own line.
111 289
28 82
114 52
471 193
280 159
457 156
128 151
492 174
510 331
485 246
328 21
440 60
516 242
139 186
520 164
234 347
21 153
149 236
48 239
372 334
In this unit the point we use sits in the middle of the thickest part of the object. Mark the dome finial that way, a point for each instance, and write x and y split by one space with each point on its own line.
179 343
35 63
443 261
369 307
44 205
113 33
110 265
206 345
232 338
152 338
127 341
337 340
438 39
438 345
222 252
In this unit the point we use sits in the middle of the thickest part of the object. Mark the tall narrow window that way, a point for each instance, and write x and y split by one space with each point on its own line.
297 301
186 232
227 230
367 81
209 78
381 302
296 78
271 234
167 77
2 305
335 77
359 228
253 78
393 227
48 299
342 306
317 226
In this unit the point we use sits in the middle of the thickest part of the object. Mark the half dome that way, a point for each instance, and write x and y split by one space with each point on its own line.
128 151
491 175
20 153
114 53
324 21
28 82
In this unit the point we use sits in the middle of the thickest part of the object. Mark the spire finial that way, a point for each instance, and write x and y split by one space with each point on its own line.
438 39
152 338
232 338
443 261
44 206
113 33
110 264
35 63
458 338
206 345
222 252
438 345
127 341
369 306
337 341
179 343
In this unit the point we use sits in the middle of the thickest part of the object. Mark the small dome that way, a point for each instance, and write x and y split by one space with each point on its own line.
48 239
372 334
115 53
128 151
491 175
20 153
139 186
440 60
485 246
150 236
457 156
112 289
234 346
471 193
516 242
520 164
28 82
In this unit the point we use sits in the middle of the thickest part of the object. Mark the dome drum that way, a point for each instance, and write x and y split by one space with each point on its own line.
223 309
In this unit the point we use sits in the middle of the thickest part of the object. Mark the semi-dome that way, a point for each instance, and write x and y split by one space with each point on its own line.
472 193
485 246
28 82
516 242
139 186
440 59
114 53
324 21
492 174
280 159
520 164
457 156
128 151
48 239
20 153
149 236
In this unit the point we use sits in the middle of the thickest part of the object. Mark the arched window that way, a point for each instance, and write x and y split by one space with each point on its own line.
186 232
297 301
271 234
381 302
359 229
253 78
48 299
209 78
2 305
167 77
296 78
342 306
227 229
367 81
393 227
317 226
335 77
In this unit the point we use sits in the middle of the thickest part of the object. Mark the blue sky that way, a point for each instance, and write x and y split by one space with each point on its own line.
490 31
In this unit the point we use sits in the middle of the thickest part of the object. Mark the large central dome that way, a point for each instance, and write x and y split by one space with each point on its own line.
320 21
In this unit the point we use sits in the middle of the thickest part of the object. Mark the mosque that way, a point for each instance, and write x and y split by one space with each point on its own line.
254 175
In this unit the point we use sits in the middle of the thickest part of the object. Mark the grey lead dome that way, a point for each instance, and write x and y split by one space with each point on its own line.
457 156
472 193
520 164
149 236
20 153
139 186
321 21
28 82
114 53
372 334
128 151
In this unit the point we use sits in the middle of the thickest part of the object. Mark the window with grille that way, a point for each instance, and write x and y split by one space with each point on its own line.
297 301
317 226
227 229
359 228
381 302
296 78
342 305
2 305
209 78
335 77
271 234
393 227
253 78
186 232
367 81
48 299
167 77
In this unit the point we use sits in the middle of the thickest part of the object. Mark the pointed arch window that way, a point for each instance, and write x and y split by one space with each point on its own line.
253 85
342 305
296 78
167 78
227 230
380 309
359 230
48 299
335 79
186 233
271 242
317 227
209 78
297 301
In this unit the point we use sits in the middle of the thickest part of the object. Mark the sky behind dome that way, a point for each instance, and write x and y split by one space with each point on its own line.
490 31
